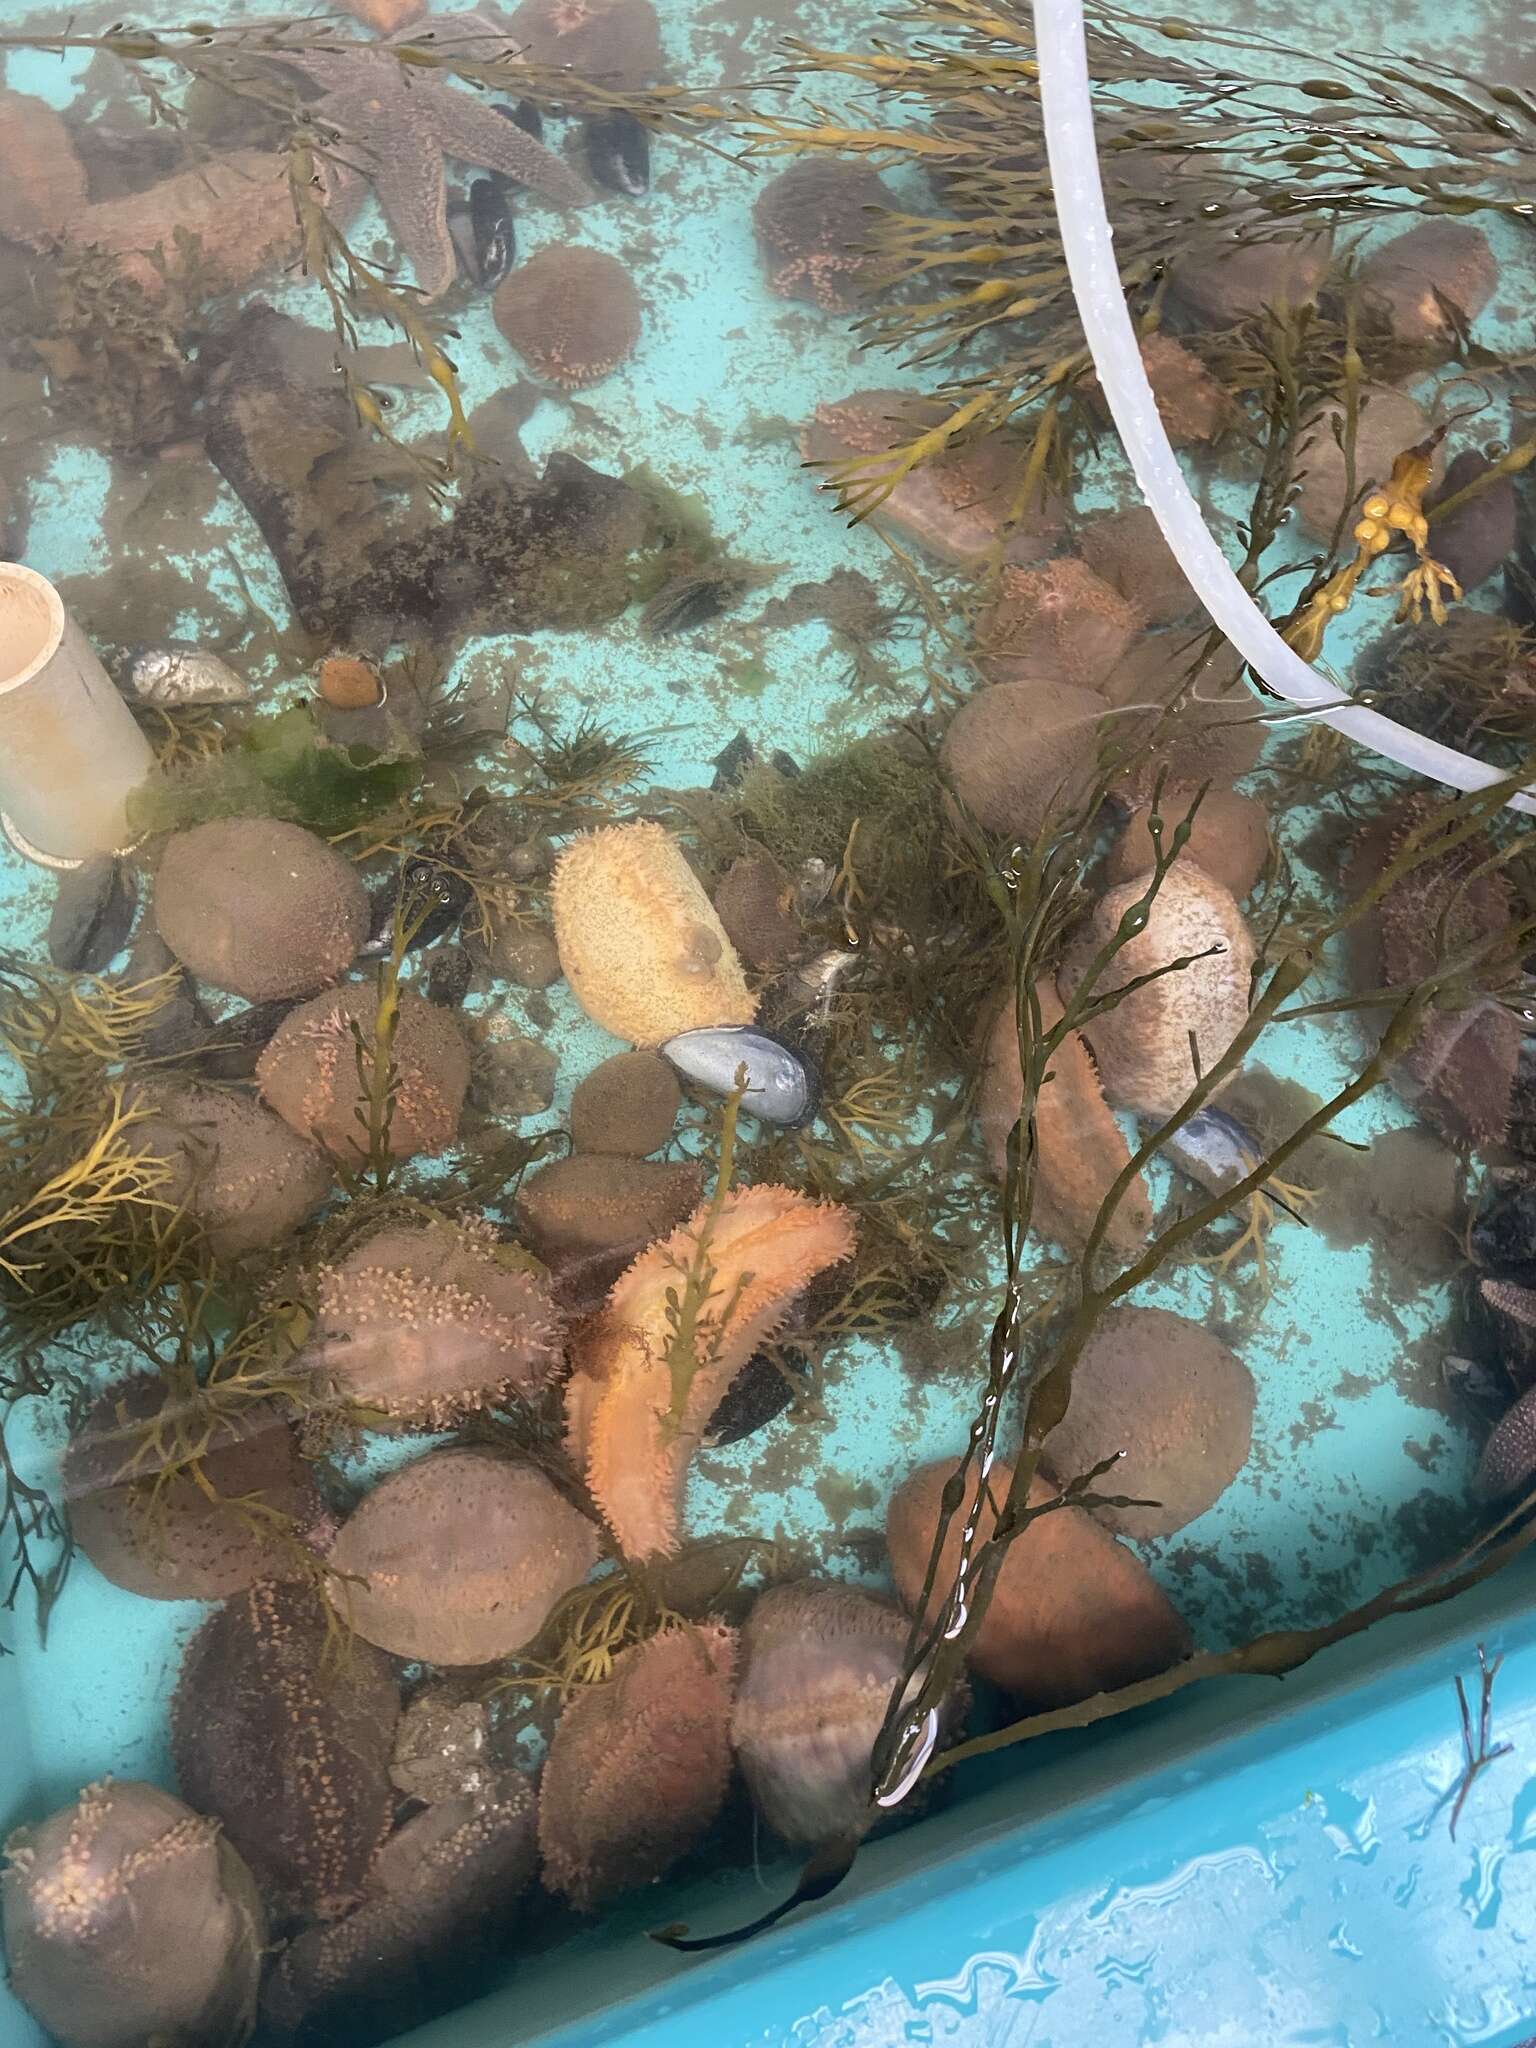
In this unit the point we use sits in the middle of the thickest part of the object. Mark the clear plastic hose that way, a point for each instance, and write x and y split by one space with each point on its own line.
1087 240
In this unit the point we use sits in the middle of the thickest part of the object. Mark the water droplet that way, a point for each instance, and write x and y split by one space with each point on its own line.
914 1747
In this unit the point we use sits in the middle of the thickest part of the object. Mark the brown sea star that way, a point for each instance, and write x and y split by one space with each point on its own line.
399 125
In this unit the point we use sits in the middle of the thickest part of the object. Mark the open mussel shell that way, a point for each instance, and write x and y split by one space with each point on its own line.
484 237
420 884
781 1085
618 153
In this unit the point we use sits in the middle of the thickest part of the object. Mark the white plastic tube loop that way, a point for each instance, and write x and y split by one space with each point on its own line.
1087 240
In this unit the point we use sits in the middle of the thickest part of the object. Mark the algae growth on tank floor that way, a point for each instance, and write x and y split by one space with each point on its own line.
633 1022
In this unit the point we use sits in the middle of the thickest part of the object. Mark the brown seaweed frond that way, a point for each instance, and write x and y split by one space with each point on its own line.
378 1075
580 770
184 739
587 1630
218 1382
216 1377
87 1218
31 1527
1038 1369
354 289
67 1032
1202 132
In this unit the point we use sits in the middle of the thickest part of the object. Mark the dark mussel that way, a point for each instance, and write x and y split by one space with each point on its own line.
781 1085
524 115
762 1390
93 915
618 153
1502 1238
739 754
483 233
434 899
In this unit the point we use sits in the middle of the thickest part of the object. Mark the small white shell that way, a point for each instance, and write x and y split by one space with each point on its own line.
176 676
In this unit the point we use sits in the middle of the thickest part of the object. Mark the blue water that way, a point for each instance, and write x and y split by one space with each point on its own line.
724 374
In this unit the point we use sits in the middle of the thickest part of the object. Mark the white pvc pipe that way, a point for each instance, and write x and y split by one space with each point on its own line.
1087 240
70 751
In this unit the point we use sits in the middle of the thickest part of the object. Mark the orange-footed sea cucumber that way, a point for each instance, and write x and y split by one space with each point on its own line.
761 1247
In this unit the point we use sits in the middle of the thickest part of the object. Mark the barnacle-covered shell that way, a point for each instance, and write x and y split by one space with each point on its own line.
1193 406
1059 620
422 1324
128 1918
259 907
458 1558
642 948
284 1733
441 1890
445 1745
309 1072
814 225
1143 1046
168 1538
639 1765
616 43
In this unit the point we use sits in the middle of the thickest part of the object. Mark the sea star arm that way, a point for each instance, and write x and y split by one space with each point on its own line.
473 133
408 184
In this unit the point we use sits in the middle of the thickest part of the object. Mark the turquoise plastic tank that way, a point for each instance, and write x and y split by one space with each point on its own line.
1252 1862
